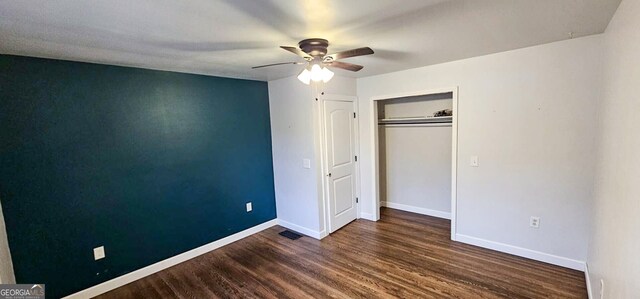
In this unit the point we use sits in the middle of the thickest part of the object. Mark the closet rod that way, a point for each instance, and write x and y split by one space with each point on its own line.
418 125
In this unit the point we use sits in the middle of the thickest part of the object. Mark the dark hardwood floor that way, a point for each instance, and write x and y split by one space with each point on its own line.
403 255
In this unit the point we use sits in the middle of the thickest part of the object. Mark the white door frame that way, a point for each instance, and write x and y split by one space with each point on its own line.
454 150
324 151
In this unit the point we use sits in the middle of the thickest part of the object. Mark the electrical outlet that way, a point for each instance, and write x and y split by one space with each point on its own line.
98 253
249 207
534 222
306 163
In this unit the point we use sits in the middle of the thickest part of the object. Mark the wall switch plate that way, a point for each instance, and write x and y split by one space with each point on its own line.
473 162
98 253
306 163
534 222
249 207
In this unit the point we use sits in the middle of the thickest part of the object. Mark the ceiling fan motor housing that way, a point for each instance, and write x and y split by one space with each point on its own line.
314 46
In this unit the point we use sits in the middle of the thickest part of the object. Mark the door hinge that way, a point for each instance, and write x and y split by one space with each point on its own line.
354 115
356 158
356 200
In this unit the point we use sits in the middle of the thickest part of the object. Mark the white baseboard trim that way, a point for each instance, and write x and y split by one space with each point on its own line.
417 210
164 264
523 252
587 279
303 230
367 216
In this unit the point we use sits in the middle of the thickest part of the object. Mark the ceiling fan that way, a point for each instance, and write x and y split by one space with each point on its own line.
314 51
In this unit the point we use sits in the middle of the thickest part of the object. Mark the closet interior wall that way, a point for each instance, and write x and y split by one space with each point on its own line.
415 159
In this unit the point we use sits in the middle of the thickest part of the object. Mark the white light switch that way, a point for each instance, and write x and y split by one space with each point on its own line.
306 163
249 207
98 253
474 161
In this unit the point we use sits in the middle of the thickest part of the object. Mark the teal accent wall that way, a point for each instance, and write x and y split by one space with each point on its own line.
147 163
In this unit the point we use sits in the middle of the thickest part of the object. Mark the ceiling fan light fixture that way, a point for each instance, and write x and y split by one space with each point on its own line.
315 73
314 52
305 76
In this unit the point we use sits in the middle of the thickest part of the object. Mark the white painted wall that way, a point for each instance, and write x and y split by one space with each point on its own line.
415 169
294 135
529 116
291 107
6 265
614 251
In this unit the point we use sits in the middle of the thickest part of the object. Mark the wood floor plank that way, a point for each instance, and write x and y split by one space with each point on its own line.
404 255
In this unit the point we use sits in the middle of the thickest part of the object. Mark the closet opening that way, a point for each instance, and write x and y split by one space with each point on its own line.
415 142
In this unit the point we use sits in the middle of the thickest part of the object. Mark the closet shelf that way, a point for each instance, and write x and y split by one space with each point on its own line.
416 120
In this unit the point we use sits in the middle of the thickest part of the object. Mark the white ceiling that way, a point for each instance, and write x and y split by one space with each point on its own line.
227 37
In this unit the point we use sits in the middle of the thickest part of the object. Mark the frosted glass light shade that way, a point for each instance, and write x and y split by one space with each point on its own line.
326 75
316 73
305 76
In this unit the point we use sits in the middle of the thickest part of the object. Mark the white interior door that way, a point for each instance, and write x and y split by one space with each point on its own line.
340 153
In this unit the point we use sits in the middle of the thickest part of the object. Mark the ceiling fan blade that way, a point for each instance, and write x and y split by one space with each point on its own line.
344 65
351 53
297 51
274 64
